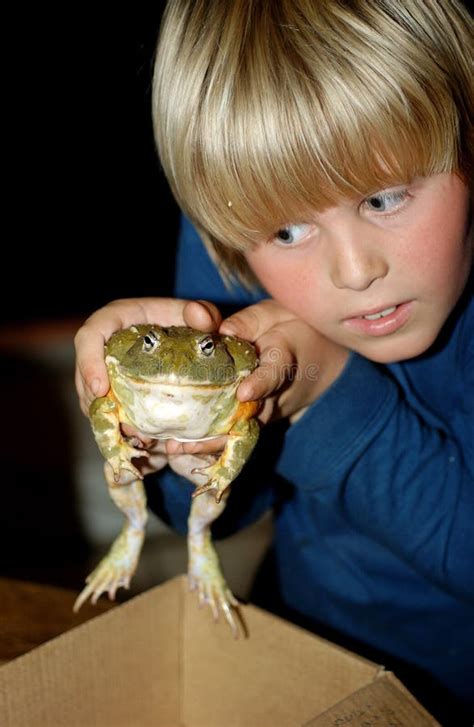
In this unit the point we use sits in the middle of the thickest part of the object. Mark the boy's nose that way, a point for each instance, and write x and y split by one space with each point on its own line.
357 268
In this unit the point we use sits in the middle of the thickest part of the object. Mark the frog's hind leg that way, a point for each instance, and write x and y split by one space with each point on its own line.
204 572
119 565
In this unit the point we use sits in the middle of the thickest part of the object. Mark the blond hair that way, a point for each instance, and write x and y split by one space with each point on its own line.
267 109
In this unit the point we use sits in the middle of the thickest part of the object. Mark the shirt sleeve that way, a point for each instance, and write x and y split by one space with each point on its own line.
395 477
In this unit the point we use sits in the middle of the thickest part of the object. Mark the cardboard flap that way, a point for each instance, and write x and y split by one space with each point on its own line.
121 668
385 703
280 675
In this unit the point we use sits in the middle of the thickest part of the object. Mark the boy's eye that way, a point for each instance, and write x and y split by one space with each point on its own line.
291 234
386 201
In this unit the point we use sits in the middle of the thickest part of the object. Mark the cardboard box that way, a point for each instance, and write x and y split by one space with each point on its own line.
159 660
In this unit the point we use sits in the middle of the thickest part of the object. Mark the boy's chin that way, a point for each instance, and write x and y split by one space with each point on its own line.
397 348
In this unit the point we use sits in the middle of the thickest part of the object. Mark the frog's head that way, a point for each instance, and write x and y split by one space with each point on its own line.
178 355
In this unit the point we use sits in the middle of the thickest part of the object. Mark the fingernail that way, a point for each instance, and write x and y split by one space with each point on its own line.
95 386
210 310
228 329
245 394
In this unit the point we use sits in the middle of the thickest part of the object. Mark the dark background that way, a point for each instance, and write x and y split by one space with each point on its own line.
88 214
87 217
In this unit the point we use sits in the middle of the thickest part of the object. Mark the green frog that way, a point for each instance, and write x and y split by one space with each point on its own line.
172 383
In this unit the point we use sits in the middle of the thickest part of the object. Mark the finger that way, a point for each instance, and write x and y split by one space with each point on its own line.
267 411
276 365
90 363
203 315
154 463
131 311
208 446
157 446
119 314
252 322
262 382
84 401
129 431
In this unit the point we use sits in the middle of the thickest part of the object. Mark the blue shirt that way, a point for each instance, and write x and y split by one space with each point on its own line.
373 497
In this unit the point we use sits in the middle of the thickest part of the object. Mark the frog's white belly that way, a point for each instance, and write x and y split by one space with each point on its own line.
185 413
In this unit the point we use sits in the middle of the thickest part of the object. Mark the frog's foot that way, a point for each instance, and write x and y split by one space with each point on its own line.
122 460
213 591
218 481
116 569
204 572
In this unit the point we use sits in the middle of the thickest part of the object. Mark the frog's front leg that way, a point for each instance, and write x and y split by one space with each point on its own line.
120 563
104 414
204 572
241 440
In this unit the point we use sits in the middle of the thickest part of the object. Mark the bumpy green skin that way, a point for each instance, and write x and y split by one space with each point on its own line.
158 375
177 354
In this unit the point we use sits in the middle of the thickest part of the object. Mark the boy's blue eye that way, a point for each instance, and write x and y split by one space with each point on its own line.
386 201
290 234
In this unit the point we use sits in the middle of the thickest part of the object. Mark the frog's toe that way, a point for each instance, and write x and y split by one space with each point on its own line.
82 598
219 598
229 616
107 582
214 484
129 467
124 471
106 578
211 485
138 452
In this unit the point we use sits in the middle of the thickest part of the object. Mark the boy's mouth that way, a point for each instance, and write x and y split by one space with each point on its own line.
381 321
383 314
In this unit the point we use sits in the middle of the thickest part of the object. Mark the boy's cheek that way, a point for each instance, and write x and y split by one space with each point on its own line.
280 280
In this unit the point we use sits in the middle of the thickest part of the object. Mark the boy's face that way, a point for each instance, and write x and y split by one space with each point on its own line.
405 252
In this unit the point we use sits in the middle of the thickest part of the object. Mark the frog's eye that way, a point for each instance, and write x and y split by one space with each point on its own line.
150 342
207 345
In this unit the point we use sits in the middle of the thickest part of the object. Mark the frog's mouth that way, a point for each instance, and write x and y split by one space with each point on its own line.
160 378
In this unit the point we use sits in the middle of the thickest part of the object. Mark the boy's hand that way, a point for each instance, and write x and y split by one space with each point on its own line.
297 364
91 374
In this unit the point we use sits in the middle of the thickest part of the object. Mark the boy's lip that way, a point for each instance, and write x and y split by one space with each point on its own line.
381 326
372 311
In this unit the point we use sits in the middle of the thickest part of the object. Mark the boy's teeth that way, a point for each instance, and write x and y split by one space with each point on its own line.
382 314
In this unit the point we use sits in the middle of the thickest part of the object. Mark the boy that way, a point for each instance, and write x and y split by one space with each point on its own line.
324 150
